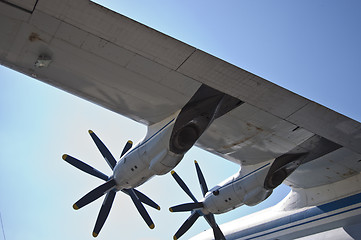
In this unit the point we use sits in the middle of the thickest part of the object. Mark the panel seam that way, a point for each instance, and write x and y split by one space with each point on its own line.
18 7
180 65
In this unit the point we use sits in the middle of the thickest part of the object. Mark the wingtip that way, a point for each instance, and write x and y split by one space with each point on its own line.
172 172
75 207
130 141
158 208
170 209
95 234
152 226
195 161
64 156
90 131
175 238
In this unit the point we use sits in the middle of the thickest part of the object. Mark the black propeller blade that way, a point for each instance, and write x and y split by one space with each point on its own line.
126 148
143 198
183 186
186 225
94 194
109 187
85 167
186 207
218 235
104 212
201 179
103 150
141 208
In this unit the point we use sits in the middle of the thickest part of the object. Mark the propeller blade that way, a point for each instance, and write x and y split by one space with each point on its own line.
85 167
218 235
94 194
126 148
183 186
103 150
186 207
210 219
104 212
201 179
144 199
193 206
186 225
140 208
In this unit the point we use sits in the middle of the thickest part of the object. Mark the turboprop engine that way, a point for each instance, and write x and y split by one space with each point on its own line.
250 186
161 150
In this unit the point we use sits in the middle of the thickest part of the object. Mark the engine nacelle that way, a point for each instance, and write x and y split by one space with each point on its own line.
245 187
206 105
281 168
150 157
167 141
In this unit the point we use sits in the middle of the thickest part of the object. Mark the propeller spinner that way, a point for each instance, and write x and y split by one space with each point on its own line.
195 207
109 187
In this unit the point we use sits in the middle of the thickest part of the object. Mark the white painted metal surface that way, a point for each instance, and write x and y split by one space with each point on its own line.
150 157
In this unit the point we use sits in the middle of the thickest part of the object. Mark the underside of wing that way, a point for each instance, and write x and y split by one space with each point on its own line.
138 72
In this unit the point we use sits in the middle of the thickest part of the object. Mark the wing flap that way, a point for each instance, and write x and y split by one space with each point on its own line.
329 124
249 136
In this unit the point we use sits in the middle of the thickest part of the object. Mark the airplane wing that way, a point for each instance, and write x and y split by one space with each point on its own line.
131 69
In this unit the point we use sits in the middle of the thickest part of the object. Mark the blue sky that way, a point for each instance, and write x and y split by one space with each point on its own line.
309 47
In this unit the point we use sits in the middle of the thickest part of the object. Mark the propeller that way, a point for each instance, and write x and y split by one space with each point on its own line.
109 187
126 148
195 207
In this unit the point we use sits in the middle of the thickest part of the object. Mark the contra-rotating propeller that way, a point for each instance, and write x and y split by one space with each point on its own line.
109 187
195 207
